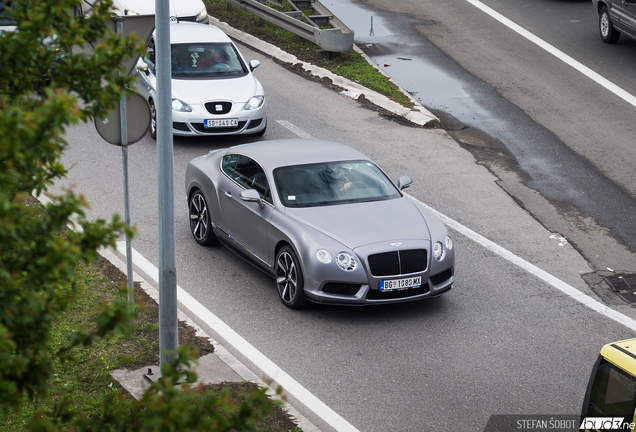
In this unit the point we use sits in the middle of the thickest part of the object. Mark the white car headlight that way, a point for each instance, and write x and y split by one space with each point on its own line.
201 16
254 103
180 106
129 12
323 256
438 251
346 261
448 242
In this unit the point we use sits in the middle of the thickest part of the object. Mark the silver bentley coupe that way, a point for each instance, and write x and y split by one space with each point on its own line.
321 218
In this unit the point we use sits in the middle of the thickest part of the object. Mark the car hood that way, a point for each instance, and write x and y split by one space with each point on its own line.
360 224
146 7
196 91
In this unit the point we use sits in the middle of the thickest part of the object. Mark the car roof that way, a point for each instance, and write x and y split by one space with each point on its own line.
277 153
188 32
178 8
621 354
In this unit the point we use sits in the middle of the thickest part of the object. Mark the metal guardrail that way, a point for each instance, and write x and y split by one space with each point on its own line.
337 38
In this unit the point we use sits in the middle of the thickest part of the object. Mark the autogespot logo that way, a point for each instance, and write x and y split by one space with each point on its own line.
606 423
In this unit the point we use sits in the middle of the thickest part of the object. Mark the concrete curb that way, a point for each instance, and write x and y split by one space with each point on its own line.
417 115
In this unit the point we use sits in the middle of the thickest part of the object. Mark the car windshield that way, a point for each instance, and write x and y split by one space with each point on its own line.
332 183
206 60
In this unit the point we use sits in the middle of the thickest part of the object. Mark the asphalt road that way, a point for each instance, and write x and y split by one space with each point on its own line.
546 126
503 341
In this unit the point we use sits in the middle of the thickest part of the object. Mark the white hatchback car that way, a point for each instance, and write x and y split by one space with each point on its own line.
214 91
184 10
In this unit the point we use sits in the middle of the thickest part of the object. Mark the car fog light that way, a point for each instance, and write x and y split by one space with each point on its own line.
438 251
346 261
448 242
323 256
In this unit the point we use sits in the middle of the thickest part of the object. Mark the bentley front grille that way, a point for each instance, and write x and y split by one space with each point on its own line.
398 262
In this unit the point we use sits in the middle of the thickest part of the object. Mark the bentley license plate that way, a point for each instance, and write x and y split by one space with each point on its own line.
220 123
400 284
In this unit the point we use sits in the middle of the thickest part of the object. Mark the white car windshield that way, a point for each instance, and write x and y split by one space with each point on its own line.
206 60
332 183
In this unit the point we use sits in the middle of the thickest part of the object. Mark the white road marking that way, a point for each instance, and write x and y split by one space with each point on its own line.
627 97
268 367
295 129
534 270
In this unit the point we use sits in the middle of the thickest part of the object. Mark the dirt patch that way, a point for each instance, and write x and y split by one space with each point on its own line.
146 324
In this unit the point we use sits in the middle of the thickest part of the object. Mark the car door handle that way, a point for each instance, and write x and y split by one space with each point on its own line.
228 194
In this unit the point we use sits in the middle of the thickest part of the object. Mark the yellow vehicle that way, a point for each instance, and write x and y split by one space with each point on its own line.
610 399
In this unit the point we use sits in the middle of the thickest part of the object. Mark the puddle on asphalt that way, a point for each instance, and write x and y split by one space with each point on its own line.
431 86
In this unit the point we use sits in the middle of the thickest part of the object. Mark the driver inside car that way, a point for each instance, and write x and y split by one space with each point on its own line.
333 181
210 56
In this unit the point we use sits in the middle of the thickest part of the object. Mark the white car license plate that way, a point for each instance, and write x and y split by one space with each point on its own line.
220 123
400 284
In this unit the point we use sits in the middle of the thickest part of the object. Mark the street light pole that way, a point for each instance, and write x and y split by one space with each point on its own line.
168 324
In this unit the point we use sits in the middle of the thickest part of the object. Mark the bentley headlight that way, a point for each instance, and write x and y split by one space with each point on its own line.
201 16
346 261
254 103
180 106
448 243
323 256
438 251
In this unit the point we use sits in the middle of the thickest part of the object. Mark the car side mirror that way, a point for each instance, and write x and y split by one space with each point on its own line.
143 69
252 195
404 182
254 64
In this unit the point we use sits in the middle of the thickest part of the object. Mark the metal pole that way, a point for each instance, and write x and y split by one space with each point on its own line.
124 157
168 336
